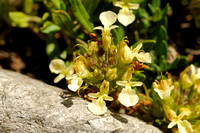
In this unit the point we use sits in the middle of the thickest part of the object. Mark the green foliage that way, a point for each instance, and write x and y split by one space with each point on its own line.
62 19
81 14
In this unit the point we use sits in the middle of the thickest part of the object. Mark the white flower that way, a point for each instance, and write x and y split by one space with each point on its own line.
192 79
128 96
183 125
76 82
164 88
127 54
141 56
98 106
58 66
126 16
107 18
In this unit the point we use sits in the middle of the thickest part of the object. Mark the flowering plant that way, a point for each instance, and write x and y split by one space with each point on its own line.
106 68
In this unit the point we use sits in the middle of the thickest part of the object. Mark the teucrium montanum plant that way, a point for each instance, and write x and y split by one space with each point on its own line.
106 68
181 97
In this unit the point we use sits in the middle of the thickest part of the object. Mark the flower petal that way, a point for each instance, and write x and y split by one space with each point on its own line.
133 6
121 83
98 28
135 83
56 66
136 49
75 84
125 17
171 124
97 107
144 57
118 4
107 98
160 92
108 18
93 95
184 127
58 78
128 97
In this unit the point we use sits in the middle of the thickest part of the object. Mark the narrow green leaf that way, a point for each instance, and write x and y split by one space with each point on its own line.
163 63
156 3
118 34
56 4
161 49
162 33
81 14
157 16
20 19
180 61
52 47
49 27
166 9
45 16
91 6
28 6
152 9
147 45
62 19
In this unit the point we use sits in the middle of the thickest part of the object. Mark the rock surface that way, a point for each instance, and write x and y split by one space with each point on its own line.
31 106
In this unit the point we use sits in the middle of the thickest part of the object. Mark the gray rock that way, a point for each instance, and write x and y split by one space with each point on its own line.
31 106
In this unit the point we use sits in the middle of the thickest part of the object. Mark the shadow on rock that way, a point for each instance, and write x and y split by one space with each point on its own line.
67 99
119 118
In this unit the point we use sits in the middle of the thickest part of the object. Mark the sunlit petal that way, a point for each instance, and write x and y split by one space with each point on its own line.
97 107
108 18
125 17
56 66
128 97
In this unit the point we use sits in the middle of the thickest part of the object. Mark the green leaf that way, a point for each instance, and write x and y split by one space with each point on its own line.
90 6
162 33
59 4
19 19
180 61
156 3
81 14
62 19
118 34
163 63
166 9
143 13
63 54
148 45
157 15
28 6
52 47
49 27
161 49
152 9
45 16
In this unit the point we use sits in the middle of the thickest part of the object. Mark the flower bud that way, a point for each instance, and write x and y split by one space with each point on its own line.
104 88
127 76
93 47
125 53
111 74
81 67
98 73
